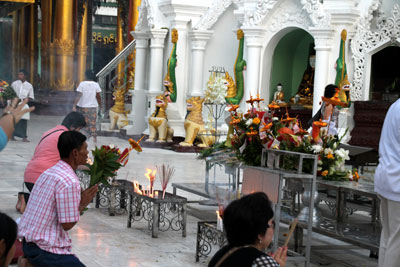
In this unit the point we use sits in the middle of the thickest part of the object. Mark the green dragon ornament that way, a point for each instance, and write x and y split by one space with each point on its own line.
235 93
341 71
169 80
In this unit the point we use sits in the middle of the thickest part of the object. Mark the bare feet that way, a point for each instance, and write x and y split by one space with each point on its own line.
13 139
25 140
21 205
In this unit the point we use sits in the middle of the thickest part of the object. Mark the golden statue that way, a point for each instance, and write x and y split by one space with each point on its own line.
158 122
194 124
117 113
231 91
279 96
306 87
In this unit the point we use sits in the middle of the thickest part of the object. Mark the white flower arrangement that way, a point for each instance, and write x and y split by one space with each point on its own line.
216 89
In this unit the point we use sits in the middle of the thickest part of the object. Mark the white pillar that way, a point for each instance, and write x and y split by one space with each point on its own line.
199 41
253 39
139 95
323 44
156 65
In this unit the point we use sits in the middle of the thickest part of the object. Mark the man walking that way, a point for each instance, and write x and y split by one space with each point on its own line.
55 205
387 185
24 90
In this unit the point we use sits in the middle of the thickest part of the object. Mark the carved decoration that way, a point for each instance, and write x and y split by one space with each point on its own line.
287 13
367 39
255 17
64 47
155 19
217 8
318 16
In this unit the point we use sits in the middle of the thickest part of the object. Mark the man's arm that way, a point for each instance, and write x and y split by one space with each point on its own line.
86 197
98 98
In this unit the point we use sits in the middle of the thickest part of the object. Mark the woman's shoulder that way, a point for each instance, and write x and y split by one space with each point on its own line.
265 261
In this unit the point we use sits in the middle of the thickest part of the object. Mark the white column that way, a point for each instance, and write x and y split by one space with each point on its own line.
199 41
139 95
156 65
253 38
323 44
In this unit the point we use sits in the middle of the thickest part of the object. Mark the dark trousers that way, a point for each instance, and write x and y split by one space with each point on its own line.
42 258
20 129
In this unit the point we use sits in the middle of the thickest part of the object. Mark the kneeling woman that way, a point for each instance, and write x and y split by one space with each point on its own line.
249 227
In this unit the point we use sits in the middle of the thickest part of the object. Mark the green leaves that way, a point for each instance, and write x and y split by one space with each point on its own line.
105 165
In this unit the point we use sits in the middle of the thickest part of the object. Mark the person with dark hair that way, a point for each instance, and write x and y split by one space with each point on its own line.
330 113
8 234
87 102
55 205
249 227
24 90
46 154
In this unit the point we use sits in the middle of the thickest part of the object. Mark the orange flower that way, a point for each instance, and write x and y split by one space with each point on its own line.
324 173
256 121
330 156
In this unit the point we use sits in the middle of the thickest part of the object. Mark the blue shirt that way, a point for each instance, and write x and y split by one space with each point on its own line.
3 139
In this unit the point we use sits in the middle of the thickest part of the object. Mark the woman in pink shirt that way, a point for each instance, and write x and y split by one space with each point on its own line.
46 153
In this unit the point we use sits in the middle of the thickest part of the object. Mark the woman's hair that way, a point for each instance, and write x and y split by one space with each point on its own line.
330 90
74 120
68 141
90 75
8 232
244 219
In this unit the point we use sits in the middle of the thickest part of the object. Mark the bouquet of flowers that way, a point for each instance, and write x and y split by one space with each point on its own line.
106 162
6 92
216 89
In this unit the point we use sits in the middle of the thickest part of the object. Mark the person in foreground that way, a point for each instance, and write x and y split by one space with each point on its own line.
12 115
54 207
46 154
8 234
249 227
387 185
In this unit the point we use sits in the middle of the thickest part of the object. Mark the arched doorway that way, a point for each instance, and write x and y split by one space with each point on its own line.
385 74
290 60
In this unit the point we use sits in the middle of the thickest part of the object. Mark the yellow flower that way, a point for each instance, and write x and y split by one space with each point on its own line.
256 121
324 173
330 156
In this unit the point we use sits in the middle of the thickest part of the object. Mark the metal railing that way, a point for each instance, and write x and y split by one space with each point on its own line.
108 75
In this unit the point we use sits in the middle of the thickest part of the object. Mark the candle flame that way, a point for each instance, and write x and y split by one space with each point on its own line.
151 174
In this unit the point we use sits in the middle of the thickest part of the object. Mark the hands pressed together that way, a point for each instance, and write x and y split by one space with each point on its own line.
280 255
87 196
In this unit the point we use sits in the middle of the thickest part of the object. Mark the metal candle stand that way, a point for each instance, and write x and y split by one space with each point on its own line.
161 214
207 237
114 196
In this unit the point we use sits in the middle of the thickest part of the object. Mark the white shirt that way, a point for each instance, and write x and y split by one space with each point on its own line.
88 98
387 174
23 90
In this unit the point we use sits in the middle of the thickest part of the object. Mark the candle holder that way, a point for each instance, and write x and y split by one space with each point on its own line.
208 236
114 196
162 214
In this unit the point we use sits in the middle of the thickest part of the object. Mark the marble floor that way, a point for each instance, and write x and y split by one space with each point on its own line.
103 240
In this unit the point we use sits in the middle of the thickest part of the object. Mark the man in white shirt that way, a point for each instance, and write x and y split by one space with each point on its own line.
387 185
24 90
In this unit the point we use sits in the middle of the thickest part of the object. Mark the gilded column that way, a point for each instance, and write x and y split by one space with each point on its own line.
22 39
119 47
51 74
82 47
44 44
15 44
32 44
133 19
65 45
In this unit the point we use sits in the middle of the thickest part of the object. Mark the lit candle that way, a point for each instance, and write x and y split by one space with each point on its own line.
156 194
220 226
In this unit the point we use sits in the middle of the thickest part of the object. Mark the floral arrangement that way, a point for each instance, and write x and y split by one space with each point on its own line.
216 89
257 129
107 160
6 92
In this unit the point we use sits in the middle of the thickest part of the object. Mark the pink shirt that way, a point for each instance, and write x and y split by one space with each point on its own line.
46 154
55 199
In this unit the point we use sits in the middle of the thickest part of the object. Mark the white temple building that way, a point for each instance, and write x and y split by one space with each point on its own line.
278 34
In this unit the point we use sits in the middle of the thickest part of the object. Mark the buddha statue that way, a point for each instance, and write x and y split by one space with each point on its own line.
306 87
279 96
